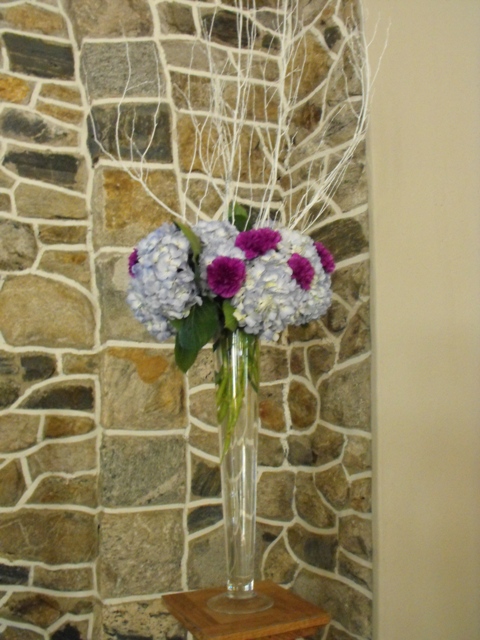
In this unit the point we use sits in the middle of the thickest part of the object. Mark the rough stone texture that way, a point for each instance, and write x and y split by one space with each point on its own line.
62 93
50 234
271 408
356 339
64 426
5 202
18 247
202 370
353 190
361 495
275 495
355 571
14 90
350 607
43 610
203 406
72 536
15 633
345 397
66 170
206 560
355 536
10 574
76 395
352 283
113 18
71 264
141 389
80 579
63 457
336 318
321 359
337 634
203 517
273 364
37 57
323 446
57 490
117 196
270 451
306 332
142 471
25 126
357 456
175 18
147 561
310 505
279 565
345 238
297 362
303 405
63 114
206 441
205 479
17 432
34 201
140 620
12 484
30 18
80 363
333 484
317 550
36 367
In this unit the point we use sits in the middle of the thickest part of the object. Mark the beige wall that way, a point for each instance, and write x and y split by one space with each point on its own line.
425 197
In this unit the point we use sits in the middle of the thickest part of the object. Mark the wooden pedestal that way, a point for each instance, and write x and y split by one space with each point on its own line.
290 617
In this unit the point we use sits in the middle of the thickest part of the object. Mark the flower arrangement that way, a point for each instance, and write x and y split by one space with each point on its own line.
196 282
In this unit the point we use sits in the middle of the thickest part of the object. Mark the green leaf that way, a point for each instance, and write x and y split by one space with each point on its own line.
230 321
240 217
201 324
193 239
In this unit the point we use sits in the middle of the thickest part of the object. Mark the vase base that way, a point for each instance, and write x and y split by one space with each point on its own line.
251 602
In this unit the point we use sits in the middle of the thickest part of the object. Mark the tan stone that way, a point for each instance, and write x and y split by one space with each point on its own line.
64 457
18 246
279 565
28 17
273 363
304 333
356 339
333 484
206 560
53 537
361 495
145 619
203 406
50 234
321 447
117 196
61 93
14 89
357 456
18 432
38 311
275 495
34 201
271 409
345 397
142 389
309 66
303 405
202 370
57 490
309 504
64 114
321 359
64 426
297 361
80 363
351 283
149 557
71 264
355 536
12 484
16 633
35 608
355 571
203 195
206 441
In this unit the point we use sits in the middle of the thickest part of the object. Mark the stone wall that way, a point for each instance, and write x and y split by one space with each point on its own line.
109 480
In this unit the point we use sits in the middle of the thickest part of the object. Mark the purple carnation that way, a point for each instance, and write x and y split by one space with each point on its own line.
225 276
132 261
257 242
303 271
326 258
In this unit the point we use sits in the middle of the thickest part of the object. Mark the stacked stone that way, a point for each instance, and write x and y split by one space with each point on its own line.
109 478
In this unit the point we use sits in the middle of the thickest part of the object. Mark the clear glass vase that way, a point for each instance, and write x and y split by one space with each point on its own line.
237 377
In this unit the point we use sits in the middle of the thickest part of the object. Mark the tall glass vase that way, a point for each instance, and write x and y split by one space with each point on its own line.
237 378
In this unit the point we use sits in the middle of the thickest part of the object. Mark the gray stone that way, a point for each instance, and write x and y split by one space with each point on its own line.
61 169
175 18
10 574
356 339
206 482
37 367
141 471
206 560
275 495
357 456
279 565
63 457
206 441
333 484
12 484
303 405
273 364
37 57
34 201
18 246
53 537
319 448
310 506
297 361
142 620
271 408
270 451
225 26
203 517
202 370
344 238
355 571
26 126
15 633
17 432
336 318
78 396
203 406
141 389
321 359
111 19
352 609
9 393
355 536
149 557
353 190
115 68
334 633
57 490
345 397
317 550
352 283
110 134
5 202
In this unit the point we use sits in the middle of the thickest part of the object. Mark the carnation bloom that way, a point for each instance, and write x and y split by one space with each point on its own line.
326 258
257 242
303 271
132 261
225 276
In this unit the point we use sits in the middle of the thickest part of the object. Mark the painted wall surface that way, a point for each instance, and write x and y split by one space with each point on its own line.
425 195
